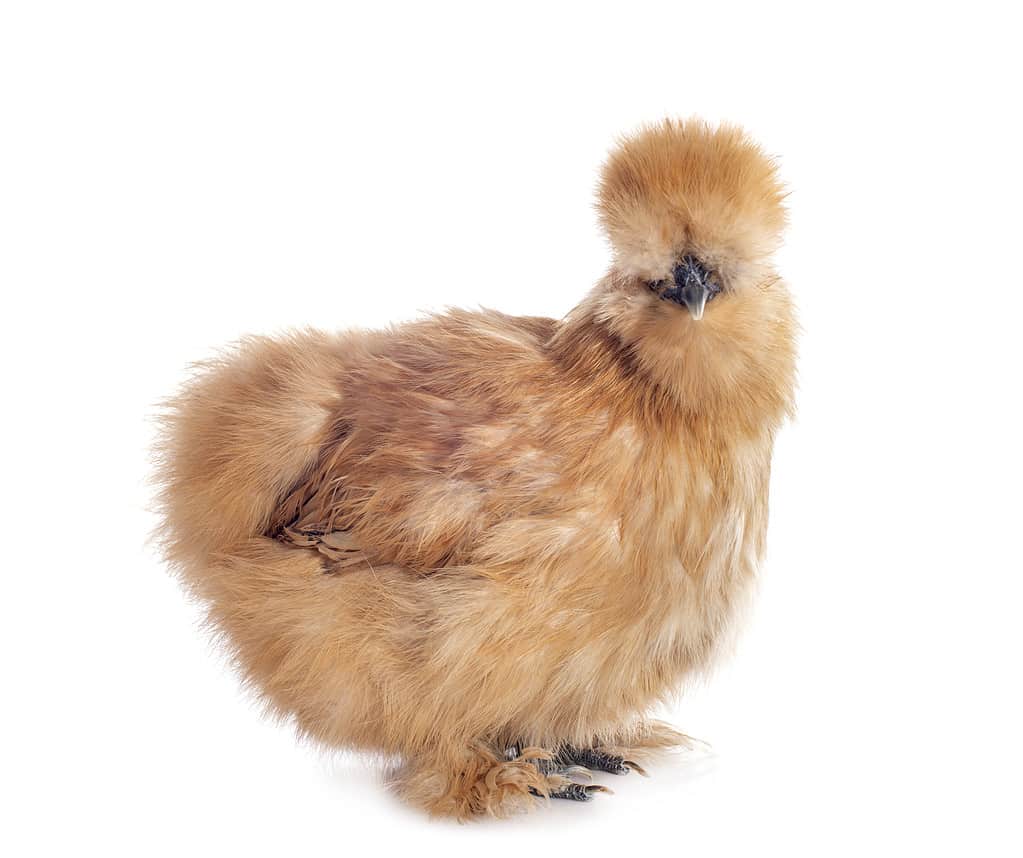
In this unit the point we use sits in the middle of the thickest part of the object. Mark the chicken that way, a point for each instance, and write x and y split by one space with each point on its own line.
486 545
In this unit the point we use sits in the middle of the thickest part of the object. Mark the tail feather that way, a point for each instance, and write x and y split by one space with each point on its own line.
241 433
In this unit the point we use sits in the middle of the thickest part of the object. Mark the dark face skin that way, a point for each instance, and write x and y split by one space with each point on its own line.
692 285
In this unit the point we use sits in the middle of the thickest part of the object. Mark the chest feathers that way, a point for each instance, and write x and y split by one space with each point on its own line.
692 537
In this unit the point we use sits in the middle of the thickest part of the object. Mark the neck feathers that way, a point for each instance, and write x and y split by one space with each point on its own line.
732 372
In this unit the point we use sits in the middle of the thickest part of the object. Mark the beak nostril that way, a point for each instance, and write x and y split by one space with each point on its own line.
690 269
691 285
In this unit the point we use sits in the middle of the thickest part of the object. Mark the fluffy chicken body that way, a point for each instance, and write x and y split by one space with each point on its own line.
476 533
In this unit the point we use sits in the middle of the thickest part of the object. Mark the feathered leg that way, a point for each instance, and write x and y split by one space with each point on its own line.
474 781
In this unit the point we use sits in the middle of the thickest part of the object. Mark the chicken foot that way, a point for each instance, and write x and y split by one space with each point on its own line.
569 762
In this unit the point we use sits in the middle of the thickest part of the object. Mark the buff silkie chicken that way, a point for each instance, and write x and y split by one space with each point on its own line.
487 545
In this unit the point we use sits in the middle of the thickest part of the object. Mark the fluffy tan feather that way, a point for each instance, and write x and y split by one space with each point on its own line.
476 532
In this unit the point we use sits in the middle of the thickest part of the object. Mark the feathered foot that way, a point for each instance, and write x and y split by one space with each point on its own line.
569 760
469 782
644 741
641 741
570 763
477 781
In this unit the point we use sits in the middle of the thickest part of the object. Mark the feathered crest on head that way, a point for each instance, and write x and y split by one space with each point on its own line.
686 187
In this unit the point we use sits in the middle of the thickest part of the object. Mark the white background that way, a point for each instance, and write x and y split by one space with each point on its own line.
173 175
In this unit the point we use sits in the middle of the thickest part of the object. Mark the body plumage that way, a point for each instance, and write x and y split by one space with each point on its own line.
475 532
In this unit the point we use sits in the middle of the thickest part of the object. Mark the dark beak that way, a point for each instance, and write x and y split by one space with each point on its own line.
693 286
694 296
